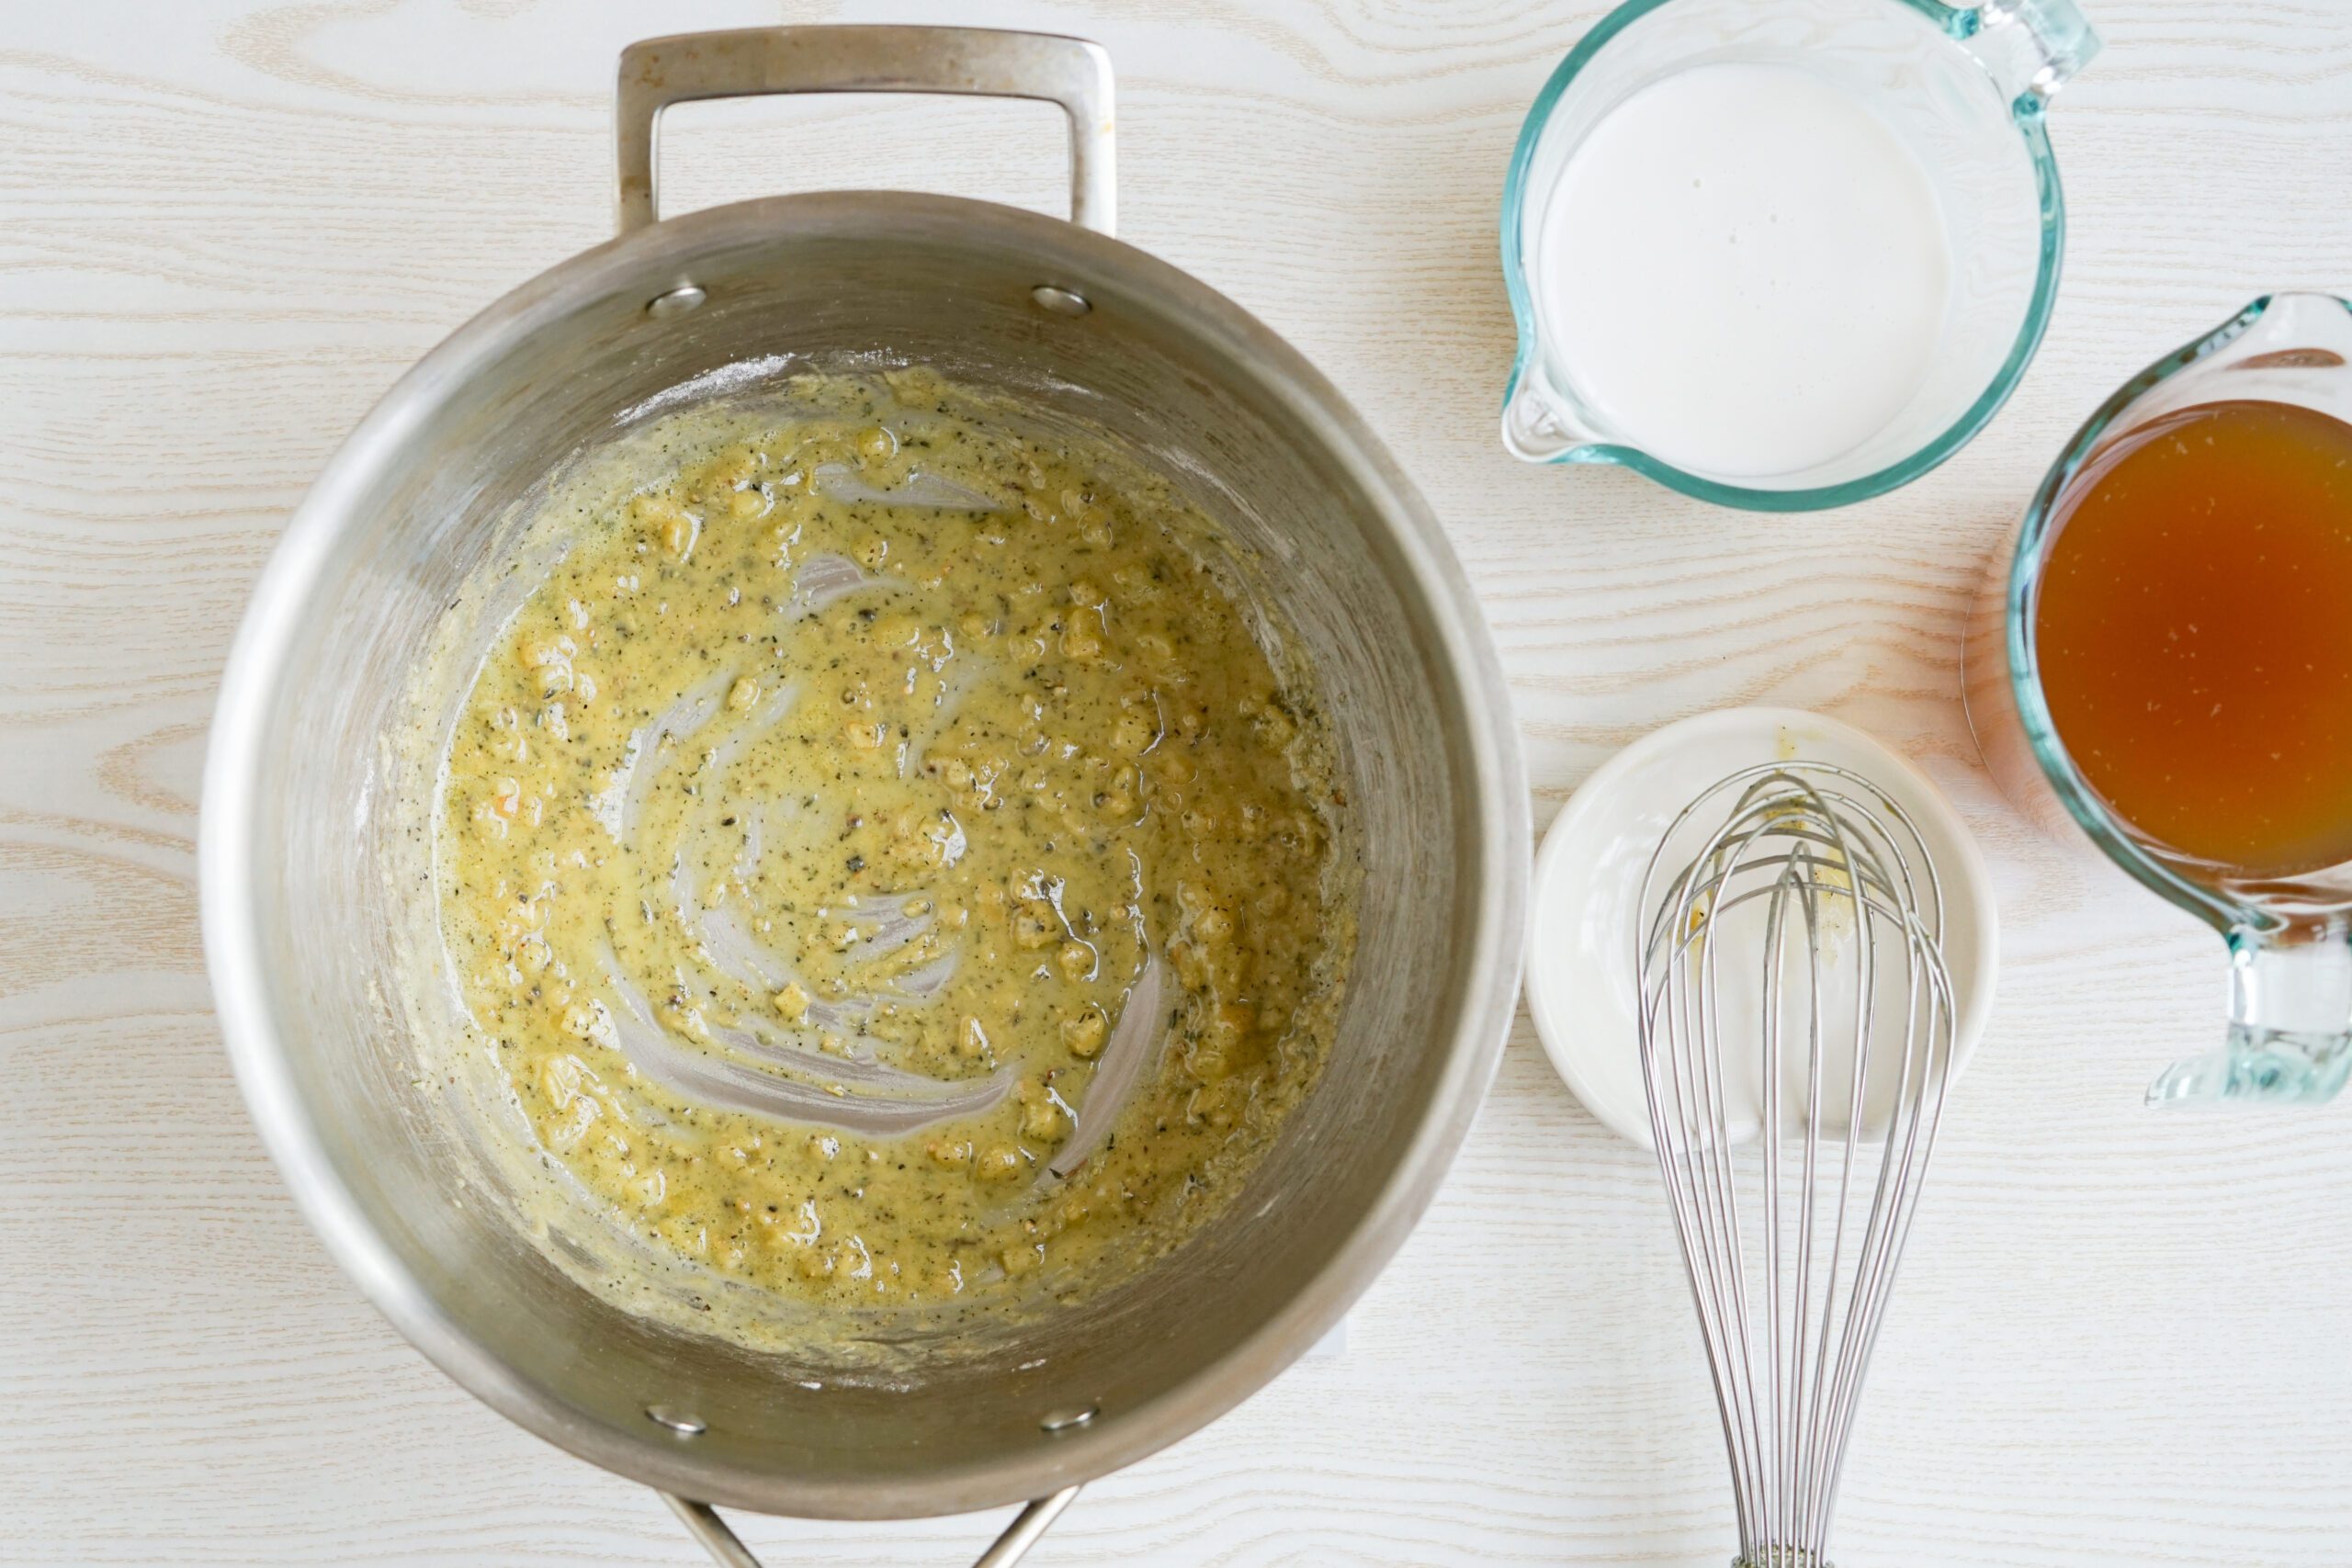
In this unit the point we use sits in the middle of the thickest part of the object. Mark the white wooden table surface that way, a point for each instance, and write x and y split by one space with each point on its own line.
2121 1337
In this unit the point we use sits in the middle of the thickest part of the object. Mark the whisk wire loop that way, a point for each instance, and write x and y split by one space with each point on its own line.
1821 882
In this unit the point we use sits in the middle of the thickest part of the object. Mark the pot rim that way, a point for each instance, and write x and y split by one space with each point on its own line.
1469 665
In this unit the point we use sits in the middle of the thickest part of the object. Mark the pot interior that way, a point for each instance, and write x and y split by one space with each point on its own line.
426 493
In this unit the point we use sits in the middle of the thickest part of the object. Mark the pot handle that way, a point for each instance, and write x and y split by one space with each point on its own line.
727 1548
980 61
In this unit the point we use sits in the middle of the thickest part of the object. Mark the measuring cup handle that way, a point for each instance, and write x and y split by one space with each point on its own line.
727 1548
976 62
2031 47
2290 1023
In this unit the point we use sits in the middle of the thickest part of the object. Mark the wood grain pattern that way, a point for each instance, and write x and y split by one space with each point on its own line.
226 226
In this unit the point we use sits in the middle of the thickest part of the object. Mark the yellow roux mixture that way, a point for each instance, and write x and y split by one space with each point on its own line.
811 829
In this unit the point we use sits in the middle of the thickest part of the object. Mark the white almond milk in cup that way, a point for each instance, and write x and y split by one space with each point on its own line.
1785 253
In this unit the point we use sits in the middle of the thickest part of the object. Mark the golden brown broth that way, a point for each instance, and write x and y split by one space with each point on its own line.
2191 632
1042 738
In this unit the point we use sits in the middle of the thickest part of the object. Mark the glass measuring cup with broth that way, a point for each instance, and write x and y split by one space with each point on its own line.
2166 663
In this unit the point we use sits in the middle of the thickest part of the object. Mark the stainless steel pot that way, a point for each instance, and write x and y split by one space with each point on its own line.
298 905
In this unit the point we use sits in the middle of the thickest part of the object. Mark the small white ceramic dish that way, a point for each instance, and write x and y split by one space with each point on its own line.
1581 982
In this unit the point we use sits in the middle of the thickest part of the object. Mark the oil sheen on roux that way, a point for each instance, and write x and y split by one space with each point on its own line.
883 750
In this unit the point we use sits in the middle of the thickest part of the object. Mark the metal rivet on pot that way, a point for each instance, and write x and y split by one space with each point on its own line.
683 1424
1068 1420
1060 301
677 302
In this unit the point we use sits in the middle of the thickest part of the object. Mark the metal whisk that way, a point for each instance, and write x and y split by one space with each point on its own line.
1793 994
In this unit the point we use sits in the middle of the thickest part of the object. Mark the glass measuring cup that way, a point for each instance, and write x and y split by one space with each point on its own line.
2290 937
1964 88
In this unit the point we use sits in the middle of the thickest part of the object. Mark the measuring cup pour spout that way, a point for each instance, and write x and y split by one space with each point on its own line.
1542 427
2290 1035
